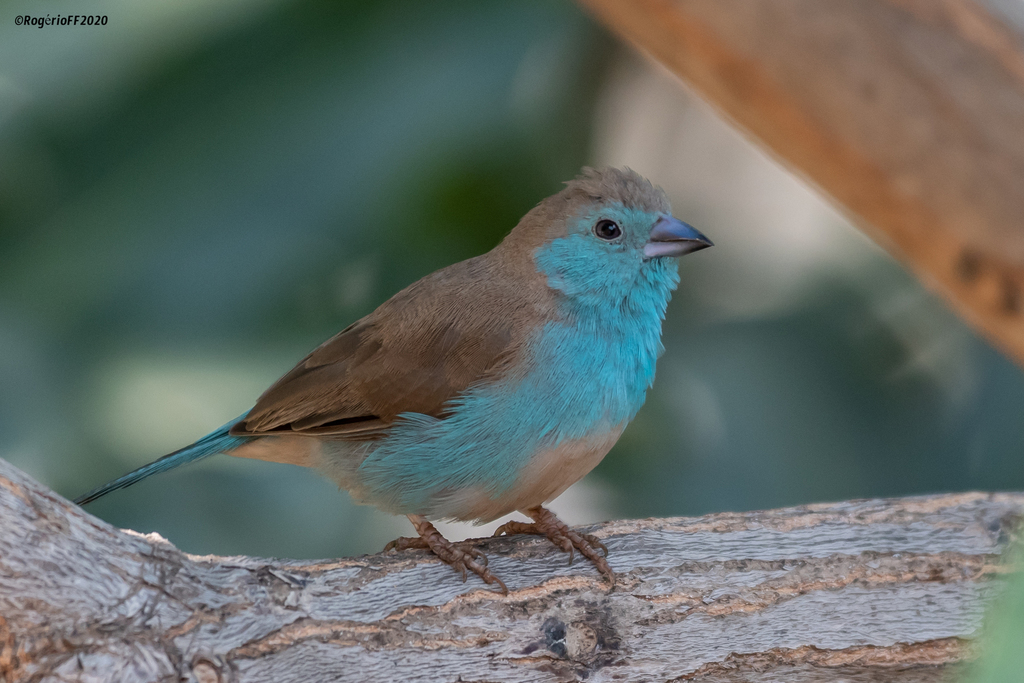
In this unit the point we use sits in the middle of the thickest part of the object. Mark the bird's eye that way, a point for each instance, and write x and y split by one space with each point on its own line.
607 230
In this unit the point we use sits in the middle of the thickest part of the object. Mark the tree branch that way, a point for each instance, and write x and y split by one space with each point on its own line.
887 589
909 113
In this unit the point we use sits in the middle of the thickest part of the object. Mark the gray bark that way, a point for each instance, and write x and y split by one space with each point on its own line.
879 590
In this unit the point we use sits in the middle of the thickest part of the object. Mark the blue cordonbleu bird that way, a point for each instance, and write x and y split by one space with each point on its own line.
489 386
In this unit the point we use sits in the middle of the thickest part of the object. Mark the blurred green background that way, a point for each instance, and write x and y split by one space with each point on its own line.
196 194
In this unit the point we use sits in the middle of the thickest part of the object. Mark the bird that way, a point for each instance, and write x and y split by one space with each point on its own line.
489 386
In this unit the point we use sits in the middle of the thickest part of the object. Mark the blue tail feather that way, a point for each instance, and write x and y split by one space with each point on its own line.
217 441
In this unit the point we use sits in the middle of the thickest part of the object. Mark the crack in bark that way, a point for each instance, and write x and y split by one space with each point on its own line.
831 573
375 636
928 653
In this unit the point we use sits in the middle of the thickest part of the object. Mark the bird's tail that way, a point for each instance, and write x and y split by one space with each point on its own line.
217 441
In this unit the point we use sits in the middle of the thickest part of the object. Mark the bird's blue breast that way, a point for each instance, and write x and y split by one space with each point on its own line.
582 374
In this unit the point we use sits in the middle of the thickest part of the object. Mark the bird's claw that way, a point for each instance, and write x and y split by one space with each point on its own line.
596 542
467 559
463 557
476 554
547 524
417 543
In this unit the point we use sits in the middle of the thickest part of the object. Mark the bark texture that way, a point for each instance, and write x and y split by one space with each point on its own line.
908 113
880 590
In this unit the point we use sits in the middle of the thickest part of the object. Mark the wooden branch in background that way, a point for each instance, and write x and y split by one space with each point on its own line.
883 590
908 113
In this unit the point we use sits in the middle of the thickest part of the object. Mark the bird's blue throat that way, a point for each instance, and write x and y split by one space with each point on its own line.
610 328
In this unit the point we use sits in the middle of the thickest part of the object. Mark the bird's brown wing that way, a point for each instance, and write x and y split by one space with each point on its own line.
417 351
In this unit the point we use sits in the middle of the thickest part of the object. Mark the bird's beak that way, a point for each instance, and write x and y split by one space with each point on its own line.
672 237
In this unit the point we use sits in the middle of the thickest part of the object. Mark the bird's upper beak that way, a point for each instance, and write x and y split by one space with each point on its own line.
672 237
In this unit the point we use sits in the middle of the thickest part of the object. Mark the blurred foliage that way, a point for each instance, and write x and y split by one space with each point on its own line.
1002 657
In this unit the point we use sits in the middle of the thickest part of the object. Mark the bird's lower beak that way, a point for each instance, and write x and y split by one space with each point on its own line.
672 237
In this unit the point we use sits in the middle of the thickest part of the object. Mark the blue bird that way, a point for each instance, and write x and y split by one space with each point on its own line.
489 386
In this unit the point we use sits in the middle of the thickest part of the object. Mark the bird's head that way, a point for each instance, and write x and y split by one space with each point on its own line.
606 234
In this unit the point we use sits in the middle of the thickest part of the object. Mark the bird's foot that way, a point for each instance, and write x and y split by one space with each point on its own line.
459 556
545 523
417 543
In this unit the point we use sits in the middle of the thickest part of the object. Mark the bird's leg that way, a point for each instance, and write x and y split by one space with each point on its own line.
545 523
460 556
